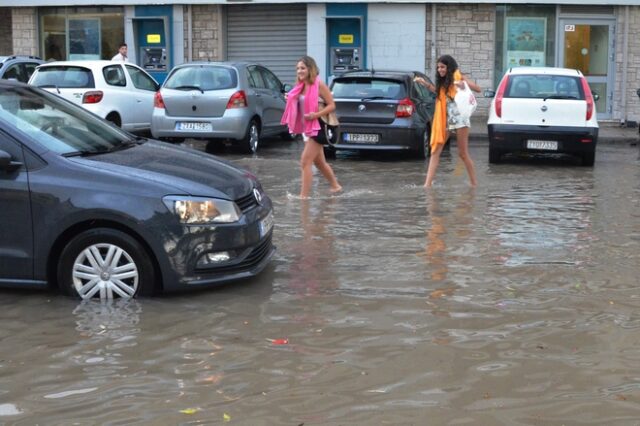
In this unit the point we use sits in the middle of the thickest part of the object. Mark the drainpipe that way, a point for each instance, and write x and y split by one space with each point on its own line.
433 43
189 33
625 63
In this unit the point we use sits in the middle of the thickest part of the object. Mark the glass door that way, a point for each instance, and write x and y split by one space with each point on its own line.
588 45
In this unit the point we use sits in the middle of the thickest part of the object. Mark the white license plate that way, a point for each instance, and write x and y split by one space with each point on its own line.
543 145
195 126
361 137
266 224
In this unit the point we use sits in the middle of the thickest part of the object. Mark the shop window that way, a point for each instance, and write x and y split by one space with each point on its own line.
525 36
81 32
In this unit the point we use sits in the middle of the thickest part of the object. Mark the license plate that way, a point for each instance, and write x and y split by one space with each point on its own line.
266 224
361 137
543 145
194 126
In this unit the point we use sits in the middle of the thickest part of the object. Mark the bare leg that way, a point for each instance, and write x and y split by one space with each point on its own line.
434 161
306 163
462 140
321 164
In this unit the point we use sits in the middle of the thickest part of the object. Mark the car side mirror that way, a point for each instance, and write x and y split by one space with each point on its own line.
286 88
489 93
595 96
638 92
5 162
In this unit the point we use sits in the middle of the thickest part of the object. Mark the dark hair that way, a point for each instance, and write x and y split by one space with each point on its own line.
122 45
447 80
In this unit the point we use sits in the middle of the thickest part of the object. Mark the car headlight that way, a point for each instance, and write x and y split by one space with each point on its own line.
199 211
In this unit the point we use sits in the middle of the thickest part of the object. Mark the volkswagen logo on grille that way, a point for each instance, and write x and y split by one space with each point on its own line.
362 108
257 195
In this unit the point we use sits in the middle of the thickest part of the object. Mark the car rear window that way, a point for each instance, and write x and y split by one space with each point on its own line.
203 77
64 77
544 87
370 88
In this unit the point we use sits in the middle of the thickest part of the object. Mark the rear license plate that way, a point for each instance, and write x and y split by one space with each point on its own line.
361 137
543 145
266 224
195 126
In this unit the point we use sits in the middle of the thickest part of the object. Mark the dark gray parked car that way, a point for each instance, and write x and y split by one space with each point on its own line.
383 110
18 67
103 213
236 101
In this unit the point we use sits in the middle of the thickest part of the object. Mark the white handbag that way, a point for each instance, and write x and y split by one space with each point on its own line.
465 101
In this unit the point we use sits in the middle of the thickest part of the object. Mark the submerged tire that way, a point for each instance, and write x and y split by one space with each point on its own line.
105 263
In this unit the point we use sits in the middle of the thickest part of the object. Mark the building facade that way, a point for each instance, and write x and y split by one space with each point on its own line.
602 40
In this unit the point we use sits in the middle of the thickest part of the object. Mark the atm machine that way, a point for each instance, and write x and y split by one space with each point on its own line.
152 44
344 44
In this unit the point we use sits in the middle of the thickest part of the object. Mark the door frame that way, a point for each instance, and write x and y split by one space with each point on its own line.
609 79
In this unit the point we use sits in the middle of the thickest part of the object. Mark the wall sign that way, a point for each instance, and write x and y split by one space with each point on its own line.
526 40
345 38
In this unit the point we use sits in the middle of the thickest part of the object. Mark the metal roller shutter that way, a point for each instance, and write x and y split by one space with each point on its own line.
273 35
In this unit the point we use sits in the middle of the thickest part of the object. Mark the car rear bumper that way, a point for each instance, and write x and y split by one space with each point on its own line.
571 140
232 125
389 138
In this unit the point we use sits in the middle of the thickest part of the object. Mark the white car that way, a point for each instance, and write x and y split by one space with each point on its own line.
543 110
120 92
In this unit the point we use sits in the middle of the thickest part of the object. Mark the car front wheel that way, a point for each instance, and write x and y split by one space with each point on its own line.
105 263
249 144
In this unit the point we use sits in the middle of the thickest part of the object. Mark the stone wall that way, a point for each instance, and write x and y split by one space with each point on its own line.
24 22
205 33
633 65
466 32
6 38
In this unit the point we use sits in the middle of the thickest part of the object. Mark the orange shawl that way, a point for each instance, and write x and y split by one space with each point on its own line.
439 122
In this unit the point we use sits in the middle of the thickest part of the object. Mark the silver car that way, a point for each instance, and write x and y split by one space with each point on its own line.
236 101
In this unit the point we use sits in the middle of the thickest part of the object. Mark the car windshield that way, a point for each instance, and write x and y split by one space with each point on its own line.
57 124
202 77
368 88
63 76
544 87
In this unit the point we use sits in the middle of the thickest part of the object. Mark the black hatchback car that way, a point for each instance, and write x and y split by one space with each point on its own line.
383 110
102 213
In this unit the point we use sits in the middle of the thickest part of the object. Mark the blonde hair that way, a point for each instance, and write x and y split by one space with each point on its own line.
311 65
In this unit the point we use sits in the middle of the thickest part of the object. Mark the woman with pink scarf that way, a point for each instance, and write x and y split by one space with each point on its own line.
301 115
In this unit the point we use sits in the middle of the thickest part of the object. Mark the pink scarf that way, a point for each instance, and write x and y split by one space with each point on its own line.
290 117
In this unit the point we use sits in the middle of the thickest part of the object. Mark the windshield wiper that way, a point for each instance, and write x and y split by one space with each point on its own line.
126 144
559 97
49 86
189 88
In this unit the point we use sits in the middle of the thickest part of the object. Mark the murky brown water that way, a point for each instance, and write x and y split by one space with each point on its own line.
515 303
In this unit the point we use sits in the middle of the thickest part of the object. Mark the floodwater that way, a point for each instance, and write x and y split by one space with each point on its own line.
516 303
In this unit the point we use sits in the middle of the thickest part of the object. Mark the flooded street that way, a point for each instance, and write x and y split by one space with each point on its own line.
514 303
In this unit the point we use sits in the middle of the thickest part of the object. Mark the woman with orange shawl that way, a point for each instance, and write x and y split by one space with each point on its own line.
446 117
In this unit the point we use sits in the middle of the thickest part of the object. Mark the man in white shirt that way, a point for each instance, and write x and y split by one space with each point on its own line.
122 54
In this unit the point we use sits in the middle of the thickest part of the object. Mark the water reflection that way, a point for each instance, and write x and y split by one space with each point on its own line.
312 266
106 328
452 219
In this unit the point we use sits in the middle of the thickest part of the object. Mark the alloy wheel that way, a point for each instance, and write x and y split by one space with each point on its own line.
105 270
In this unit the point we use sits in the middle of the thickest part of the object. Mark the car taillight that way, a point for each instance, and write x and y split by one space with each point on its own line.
92 97
588 97
238 100
405 108
158 102
500 96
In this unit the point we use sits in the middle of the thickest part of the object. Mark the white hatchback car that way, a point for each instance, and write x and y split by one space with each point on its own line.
120 92
543 110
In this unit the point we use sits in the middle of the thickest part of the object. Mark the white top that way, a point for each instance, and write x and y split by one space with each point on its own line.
120 57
